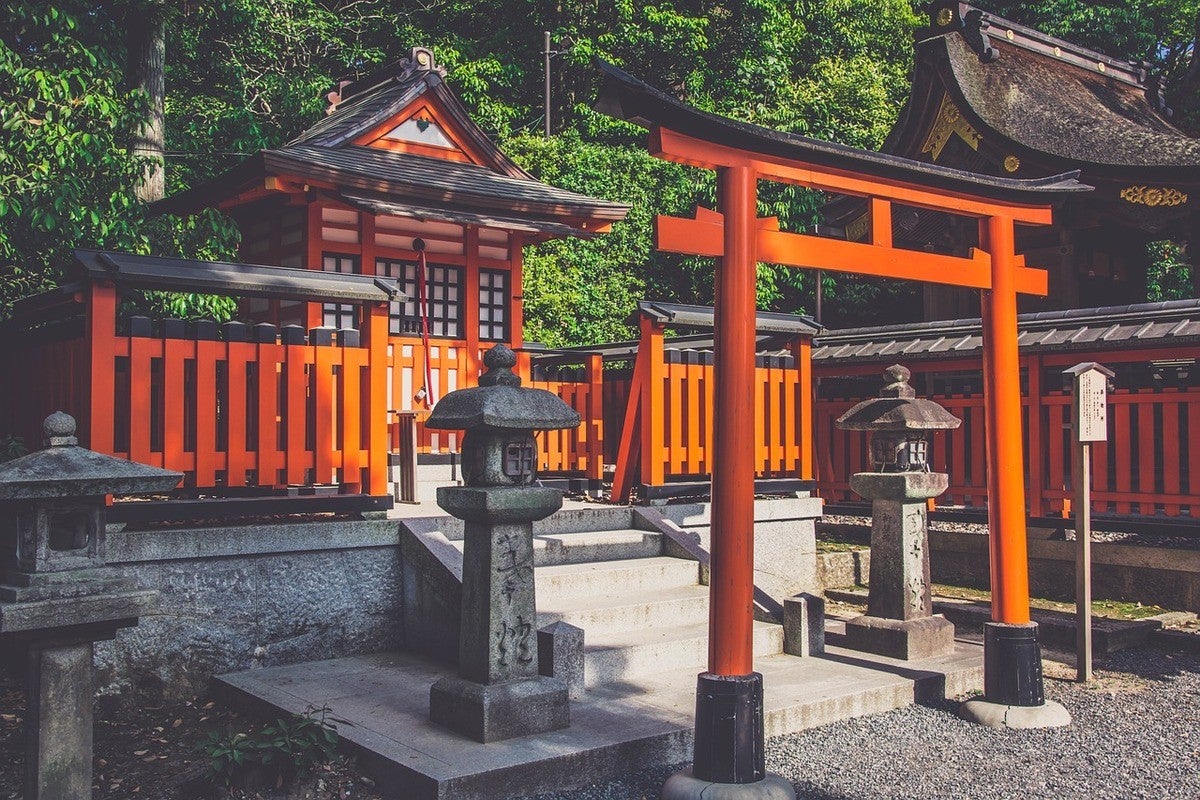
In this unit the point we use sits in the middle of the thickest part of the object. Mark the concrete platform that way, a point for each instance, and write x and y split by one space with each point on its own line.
381 705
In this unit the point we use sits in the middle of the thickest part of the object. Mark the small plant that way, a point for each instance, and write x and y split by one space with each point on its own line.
274 754
11 447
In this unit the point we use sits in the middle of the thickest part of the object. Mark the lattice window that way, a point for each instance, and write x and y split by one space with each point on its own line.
493 305
340 315
444 291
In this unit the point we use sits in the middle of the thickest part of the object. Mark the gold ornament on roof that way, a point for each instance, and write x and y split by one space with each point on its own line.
1153 196
1011 163
949 120
945 17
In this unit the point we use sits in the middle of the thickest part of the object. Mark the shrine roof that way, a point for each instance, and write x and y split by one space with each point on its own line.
626 97
1050 95
1144 324
462 178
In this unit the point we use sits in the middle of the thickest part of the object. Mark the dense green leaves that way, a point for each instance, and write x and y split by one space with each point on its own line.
248 74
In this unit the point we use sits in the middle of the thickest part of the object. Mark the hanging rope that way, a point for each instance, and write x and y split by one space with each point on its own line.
423 311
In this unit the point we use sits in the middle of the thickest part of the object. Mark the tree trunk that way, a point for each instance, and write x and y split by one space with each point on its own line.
147 53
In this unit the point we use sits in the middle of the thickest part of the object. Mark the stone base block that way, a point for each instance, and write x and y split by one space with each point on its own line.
500 711
912 640
684 786
997 715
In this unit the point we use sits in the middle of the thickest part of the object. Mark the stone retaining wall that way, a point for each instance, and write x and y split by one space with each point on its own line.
1165 577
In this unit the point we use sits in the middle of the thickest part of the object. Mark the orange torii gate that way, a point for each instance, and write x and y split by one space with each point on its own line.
728 745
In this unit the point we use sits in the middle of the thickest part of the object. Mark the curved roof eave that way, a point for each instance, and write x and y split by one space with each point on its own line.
626 97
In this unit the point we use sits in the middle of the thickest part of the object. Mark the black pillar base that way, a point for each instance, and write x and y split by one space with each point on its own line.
729 729
1012 665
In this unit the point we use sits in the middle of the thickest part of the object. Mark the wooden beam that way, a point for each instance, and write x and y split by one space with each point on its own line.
680 148
700 237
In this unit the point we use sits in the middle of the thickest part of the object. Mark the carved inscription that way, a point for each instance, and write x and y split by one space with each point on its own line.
516 571
513 641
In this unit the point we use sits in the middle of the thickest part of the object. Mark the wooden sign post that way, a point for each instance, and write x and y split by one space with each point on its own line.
1089 423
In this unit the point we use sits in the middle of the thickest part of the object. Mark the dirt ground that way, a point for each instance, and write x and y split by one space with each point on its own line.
153 751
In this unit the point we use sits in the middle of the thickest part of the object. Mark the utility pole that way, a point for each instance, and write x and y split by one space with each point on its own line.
546 52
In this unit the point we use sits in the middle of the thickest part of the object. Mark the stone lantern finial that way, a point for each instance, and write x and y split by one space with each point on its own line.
59 428
499 361
897 385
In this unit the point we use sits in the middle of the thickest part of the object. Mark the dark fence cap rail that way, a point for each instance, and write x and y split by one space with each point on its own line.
239 280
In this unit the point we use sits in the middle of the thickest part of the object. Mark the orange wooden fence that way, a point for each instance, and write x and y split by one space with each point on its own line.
1149 465
231 406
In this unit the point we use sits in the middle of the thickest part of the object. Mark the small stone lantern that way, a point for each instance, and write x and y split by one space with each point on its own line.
899 621
498 693
57 598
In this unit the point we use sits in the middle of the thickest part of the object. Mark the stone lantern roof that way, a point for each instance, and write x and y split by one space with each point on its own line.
897 409
499 401
64 469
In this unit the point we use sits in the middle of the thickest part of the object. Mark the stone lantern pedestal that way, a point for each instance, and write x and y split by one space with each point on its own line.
498 693
57 599
899 622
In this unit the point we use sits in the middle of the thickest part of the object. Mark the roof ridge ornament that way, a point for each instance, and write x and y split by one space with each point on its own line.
974 29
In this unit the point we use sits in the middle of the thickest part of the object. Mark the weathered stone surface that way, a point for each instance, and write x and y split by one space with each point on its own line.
899 485
684 786
996 715
58 757
67 470
498 640
298 604
912 640
804 625
499 504
491 713
86 609
560 655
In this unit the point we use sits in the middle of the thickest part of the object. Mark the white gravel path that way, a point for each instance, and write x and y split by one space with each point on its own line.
1134 736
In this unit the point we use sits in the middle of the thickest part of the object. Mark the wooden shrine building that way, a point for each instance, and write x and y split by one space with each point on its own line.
398 164
993 97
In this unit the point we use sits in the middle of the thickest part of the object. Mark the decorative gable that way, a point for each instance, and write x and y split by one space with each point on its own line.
424 130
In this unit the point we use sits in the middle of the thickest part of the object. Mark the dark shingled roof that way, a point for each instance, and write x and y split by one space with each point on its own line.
1163 324
625 97
426 179
1063 109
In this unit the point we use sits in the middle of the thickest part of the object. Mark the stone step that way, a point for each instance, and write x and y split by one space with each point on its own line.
608 577
588 546
616 656
624 611
614 545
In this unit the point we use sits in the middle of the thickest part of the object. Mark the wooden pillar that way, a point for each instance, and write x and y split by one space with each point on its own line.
314 313
470 307
801 349
1006 463
653 410
731 585
516 250
594 419
101 379
375 340
1035 488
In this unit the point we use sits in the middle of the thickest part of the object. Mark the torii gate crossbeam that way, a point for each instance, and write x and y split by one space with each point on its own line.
742 155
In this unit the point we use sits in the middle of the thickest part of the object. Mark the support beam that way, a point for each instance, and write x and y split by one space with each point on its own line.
703 237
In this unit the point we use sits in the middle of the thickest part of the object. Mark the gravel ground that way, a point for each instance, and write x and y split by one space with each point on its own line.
1134 736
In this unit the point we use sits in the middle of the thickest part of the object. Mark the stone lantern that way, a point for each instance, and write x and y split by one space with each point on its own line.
57 598
498 693
899 621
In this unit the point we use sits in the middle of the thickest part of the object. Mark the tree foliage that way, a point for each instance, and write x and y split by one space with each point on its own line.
246 74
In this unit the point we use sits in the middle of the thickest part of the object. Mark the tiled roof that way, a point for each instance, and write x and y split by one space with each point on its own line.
1146 324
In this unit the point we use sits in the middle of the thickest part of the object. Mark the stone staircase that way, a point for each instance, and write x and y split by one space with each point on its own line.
642 613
